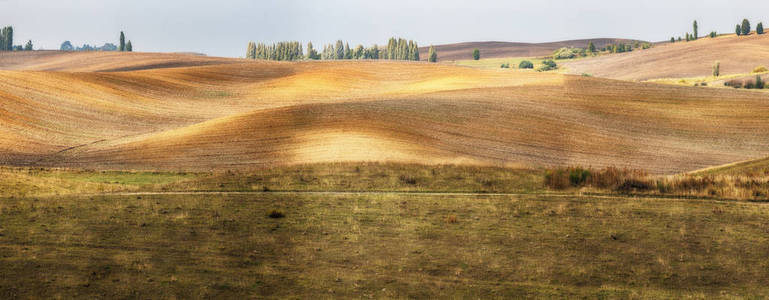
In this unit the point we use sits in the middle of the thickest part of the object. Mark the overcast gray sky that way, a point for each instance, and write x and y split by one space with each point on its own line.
224 27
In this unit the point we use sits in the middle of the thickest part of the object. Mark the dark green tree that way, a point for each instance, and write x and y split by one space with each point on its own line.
339 49
738 30
432 55
122 41
745 27
251 50
28 46
591 47
672 39
696 35
476 54
311 53
526 65
347 52
760 28
129 47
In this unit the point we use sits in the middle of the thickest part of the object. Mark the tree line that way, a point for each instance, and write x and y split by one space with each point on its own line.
6 41
121 46
740 29
396 49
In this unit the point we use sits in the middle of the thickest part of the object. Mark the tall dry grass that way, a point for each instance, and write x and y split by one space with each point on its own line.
753 186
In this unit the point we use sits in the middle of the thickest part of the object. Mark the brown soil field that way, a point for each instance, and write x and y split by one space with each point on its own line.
462 51
244 114
680 59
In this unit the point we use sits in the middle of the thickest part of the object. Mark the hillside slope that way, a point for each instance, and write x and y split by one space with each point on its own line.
254 113
681 59
462 51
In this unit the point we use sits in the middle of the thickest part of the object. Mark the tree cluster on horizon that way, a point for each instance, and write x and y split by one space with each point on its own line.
6 39
396 49
123 46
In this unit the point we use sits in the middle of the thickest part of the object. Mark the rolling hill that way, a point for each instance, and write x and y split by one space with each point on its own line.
237 114
246 114
462 51
680 60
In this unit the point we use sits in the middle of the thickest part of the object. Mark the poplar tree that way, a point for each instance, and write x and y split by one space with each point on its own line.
251 50
738 30
476 54
591 47
129 47
760 28
347 53
696 35
122 41
745 27
432 55
339 49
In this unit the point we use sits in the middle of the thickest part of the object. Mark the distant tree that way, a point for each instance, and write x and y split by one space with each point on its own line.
358 52
745 27
760 28
713 34
28 46
696 35
9 38
339 49
122 41
717 69
526 65
679 38
672 39
591 47
476 54
759 82
548 65
311 53
688 37
66 46
129 47
738 30
251 50
432 55
347 52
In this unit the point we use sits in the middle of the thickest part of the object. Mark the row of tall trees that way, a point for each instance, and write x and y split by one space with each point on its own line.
279 51
396 49
6 39
744 28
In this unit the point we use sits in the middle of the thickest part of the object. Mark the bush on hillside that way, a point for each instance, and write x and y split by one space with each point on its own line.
569 53
760 69
548 65
476 54
733 83
505 66
526 65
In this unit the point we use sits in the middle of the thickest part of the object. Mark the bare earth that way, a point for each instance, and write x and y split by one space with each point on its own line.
238 114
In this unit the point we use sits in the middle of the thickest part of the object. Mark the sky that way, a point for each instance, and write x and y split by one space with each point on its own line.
224 27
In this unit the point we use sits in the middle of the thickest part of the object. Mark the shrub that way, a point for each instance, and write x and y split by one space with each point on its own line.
759 82
569 53
748 84
578 176
505 66
713 34
760 69
476 54
276 214
634 185
760 28
548 65
717 69
557 179
734 83
526 65
408 179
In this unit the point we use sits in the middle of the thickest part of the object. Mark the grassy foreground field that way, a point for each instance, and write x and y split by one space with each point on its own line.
367 231
381 246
